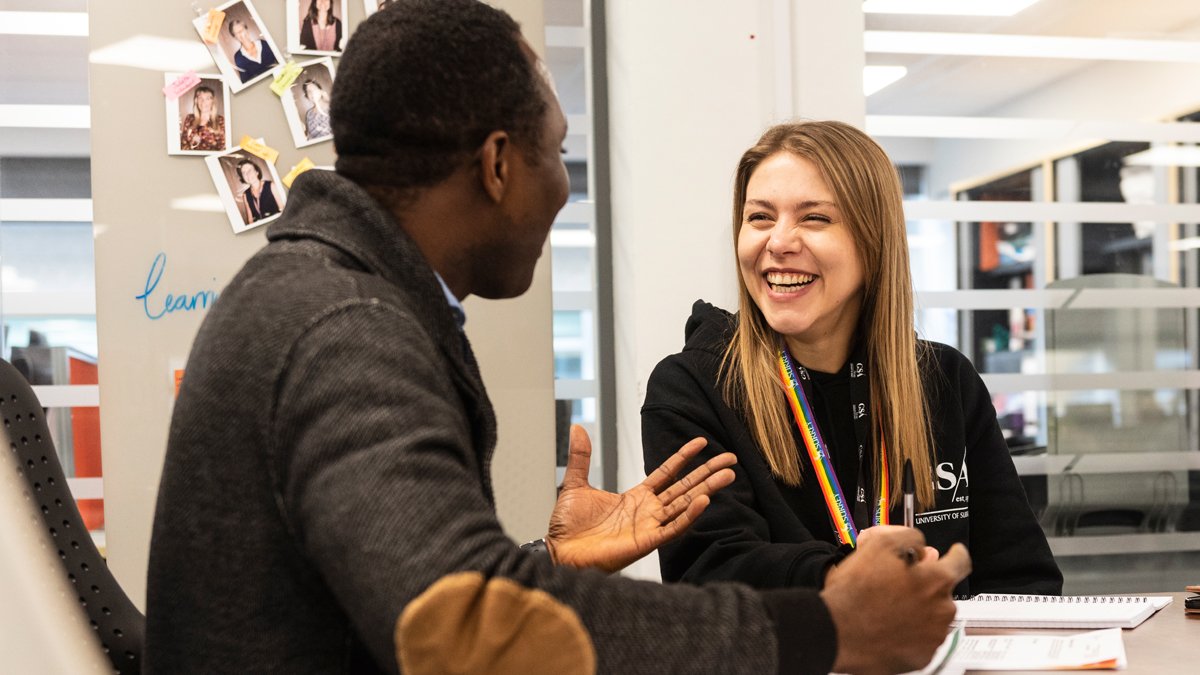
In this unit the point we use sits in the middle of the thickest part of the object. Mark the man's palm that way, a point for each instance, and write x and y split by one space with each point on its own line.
594 528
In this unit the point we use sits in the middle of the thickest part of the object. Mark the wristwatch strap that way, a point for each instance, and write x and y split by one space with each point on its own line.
536 546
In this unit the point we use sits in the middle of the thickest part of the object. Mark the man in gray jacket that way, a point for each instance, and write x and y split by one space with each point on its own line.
326 504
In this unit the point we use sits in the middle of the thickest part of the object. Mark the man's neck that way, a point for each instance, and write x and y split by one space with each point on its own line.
434 219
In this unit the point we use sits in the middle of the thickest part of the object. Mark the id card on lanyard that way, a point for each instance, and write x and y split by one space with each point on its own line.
840 514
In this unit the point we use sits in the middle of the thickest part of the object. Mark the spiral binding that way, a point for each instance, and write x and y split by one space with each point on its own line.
1065 599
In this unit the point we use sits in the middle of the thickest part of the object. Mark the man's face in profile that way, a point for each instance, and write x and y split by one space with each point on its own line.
539 188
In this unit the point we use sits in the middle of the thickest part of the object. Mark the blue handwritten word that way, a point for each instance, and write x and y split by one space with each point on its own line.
172 303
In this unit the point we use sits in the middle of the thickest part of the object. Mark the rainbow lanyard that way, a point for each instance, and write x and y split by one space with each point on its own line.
818 452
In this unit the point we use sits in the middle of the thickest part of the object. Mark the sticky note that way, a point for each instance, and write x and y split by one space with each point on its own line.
259 149
285 77
304 165
181 84
178 373
212 29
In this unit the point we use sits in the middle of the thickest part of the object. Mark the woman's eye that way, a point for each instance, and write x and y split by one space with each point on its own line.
818 217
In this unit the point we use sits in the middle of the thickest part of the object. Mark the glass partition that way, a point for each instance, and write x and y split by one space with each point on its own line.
1061 198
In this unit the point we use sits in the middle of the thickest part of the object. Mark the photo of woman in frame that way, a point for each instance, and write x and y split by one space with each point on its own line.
249 188
244 51
316 26
198 121
306 105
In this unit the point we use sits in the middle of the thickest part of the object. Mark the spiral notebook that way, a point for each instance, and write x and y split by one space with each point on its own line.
995 610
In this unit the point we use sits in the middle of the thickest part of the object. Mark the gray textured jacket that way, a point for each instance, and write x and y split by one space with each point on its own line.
328 461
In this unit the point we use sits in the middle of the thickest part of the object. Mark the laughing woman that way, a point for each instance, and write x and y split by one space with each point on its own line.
821 388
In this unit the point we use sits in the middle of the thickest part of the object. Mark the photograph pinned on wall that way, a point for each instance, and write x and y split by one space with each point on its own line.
306 102
316 26
242 48
198 117
249 187
372 6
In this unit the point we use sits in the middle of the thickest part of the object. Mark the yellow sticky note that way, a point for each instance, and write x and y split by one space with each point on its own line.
285 77
212 29
259 149
304 165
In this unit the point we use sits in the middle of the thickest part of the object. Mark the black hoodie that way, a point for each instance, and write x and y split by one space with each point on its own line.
764 533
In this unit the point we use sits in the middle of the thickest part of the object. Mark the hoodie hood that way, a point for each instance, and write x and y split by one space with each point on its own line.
709 329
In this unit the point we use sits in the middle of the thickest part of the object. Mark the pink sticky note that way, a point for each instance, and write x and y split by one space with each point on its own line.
181 84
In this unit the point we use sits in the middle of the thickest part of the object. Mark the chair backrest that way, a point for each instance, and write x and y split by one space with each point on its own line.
44 629
119 625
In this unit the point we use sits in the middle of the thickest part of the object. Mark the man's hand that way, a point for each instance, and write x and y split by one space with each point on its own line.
891 614
594 528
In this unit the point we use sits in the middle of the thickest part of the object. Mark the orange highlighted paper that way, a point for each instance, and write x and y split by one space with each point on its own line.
259 149
1097 650
212 28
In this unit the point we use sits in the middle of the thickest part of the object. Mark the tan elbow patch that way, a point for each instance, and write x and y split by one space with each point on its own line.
465 623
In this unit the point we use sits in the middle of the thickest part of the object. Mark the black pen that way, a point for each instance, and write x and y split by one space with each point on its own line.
909 489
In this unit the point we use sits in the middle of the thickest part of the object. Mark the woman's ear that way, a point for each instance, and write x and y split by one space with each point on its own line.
495 157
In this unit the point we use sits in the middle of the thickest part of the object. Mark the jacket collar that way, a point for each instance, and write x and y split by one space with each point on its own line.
327 207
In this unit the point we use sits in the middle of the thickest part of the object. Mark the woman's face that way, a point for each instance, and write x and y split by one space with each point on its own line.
797 256
241 33
204 102
312 91
249 174
324 5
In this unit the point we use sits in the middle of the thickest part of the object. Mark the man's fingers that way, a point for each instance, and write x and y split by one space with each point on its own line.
956 564
698 477
662 476
894 537
679 525
684 501
579 458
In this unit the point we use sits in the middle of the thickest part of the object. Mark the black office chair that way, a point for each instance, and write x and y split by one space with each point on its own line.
119 625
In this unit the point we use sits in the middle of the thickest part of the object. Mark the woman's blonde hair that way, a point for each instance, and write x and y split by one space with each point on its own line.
212 122
867 189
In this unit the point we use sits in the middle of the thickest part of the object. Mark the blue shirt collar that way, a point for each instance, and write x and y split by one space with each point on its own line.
456 308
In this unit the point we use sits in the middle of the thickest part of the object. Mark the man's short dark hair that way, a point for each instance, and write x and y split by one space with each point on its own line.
421 85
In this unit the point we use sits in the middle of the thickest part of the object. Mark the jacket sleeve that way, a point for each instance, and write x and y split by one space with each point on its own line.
380 483
1008 548
733 540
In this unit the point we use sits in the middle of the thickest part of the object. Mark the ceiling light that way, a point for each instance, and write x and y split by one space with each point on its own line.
1031 46
947 7
1166 155
1186 244
45 116
878 77
154 53
201 202
69 24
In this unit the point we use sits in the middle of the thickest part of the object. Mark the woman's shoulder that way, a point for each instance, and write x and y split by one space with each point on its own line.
944 365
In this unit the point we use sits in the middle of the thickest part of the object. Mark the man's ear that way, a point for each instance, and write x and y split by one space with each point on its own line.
495 159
